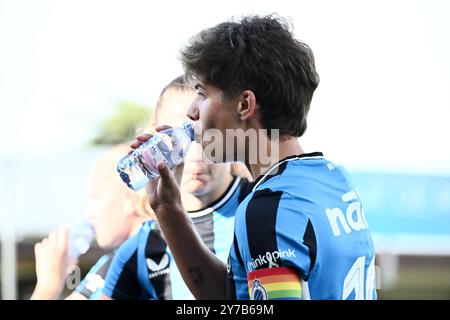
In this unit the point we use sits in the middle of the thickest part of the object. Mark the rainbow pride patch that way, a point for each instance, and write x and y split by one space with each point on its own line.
281 283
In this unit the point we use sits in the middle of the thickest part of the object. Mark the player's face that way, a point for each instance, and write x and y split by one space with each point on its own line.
106 210
216 115
199 178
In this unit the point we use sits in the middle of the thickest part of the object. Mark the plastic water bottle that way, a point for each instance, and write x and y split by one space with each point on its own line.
170 145
80 235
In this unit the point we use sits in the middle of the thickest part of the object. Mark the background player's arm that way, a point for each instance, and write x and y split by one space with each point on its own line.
52 262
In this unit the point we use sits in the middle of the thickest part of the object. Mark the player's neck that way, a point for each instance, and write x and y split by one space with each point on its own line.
136 225
276 151
193 203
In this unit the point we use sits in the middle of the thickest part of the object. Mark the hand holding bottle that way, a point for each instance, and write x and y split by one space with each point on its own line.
169 145
163 191
52 262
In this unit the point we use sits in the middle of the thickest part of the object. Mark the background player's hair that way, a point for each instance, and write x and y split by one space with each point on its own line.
177 84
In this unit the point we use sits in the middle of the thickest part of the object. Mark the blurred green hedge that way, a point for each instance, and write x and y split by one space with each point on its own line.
122 125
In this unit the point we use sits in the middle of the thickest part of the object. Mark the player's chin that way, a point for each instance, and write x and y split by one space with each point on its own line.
196 176
196 186
103 243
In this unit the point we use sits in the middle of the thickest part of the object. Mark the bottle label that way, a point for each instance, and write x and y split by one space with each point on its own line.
155 153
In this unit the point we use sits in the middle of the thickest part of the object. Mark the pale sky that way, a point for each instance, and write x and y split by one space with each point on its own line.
383 102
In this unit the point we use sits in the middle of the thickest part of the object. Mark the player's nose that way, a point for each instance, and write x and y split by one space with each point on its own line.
193 112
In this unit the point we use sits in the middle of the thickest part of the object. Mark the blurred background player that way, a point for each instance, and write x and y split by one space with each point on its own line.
115 212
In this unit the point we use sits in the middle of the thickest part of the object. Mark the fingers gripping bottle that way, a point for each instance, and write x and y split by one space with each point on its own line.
170 145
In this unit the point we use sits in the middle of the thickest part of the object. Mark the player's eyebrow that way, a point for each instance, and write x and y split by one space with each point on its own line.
198 85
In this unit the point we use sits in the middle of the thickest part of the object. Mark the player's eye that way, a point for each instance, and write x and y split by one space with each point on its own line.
201 94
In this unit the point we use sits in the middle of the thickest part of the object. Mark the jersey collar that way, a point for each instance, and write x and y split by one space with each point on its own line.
282 163
219 202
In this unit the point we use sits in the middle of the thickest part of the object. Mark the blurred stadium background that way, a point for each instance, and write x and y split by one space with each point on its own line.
77 76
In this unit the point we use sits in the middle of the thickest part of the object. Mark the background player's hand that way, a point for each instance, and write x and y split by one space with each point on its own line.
52 263
163 192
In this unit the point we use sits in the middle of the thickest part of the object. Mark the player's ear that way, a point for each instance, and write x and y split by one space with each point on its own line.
246 105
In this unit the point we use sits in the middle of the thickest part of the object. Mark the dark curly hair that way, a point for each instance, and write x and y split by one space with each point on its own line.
258 54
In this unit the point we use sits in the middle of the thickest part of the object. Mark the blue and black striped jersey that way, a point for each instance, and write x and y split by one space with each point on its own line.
140 268
302 234
143 267
92 284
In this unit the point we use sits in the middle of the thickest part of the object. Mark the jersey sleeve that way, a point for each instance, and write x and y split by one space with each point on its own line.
281 246
121 281
93 283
